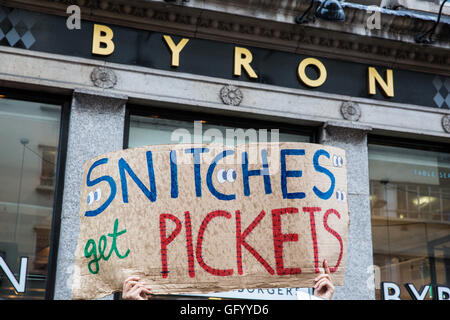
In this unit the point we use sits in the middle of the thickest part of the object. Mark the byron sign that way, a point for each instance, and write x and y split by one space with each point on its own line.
207 218
221 60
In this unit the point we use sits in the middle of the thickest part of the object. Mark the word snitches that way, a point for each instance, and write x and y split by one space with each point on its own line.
152 194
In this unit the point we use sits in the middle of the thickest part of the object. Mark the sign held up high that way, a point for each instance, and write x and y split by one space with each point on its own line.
207 218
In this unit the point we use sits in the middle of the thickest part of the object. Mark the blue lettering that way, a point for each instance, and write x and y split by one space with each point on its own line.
327 194
209 183
290 173
123 166
196 154
248 173
173 174
90 183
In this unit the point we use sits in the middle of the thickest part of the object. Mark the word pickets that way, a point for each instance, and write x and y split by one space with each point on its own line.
224 220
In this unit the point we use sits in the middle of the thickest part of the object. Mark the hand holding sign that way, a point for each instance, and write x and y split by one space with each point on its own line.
324 287
204 218
133 289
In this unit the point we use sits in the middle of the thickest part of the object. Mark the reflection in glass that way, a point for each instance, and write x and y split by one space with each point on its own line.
29 137
155 130
409 195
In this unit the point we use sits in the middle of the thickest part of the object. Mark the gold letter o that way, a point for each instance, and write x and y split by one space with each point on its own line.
302 75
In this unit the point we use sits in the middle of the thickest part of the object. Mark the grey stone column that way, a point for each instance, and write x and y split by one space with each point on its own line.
96 127
353 138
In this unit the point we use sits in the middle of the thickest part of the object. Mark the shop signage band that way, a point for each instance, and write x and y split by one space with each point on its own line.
103 44
112 43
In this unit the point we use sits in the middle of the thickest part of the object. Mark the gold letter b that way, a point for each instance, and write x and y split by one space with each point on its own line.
102 34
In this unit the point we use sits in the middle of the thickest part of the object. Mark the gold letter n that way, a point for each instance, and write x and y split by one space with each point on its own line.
387 86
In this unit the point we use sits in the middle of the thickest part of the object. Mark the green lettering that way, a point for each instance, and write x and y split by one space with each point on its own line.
114 236
90 250
102 247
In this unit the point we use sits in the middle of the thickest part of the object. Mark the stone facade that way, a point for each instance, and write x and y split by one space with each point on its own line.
100 91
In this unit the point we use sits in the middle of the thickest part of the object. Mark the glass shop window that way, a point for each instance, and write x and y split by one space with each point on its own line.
29 138
158 129
410 204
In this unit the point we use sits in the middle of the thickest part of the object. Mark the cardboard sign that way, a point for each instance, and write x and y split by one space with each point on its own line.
208 218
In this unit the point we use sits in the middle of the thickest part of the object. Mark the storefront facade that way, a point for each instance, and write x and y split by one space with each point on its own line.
151 72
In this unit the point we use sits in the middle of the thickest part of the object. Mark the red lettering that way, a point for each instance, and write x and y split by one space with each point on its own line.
279 238
335 234
312 222
165 241
205 222
189 246
240 241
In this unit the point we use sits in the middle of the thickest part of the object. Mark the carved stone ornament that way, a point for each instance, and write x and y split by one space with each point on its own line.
231 95
350 111
103 77
446 123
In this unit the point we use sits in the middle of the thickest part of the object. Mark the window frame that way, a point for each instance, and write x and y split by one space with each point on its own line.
410 143
64 101
214 118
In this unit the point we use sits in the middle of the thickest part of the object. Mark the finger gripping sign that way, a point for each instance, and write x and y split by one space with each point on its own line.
208 218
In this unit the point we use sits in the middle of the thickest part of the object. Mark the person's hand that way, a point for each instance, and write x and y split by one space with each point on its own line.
324 286
133 290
